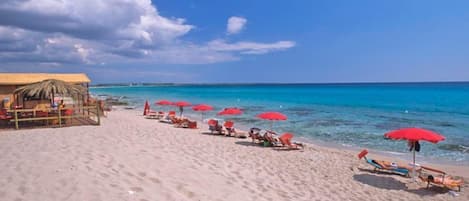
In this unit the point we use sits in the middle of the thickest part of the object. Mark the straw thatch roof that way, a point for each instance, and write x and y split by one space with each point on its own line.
29 78
49 88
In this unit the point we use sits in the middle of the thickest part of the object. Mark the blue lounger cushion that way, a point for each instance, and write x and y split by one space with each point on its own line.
403 171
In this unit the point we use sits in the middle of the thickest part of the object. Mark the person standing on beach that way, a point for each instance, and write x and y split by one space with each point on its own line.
181 109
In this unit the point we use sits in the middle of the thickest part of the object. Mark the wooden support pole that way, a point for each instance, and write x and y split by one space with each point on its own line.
60 117
97 114
16 119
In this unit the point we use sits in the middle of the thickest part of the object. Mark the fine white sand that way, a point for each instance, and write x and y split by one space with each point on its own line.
129 157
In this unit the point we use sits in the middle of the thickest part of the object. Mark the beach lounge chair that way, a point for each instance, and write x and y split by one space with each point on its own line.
172 113
386 166
270 138
186 123
5 117
440 178
214 126
167 118
254 134
177 121
229 126
286 142
160 115
151 115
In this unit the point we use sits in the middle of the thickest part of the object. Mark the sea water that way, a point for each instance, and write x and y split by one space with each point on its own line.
354 115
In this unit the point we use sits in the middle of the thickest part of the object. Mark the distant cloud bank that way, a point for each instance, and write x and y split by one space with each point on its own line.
105 31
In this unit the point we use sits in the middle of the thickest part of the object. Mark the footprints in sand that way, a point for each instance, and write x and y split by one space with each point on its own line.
155 180
104 175
183 189
136 189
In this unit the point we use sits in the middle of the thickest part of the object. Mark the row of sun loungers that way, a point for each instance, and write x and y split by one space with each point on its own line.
172 119
429 175
215 127
269 138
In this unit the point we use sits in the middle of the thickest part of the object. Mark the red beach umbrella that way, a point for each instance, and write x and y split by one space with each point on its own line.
146 108
231 111
181 105
413 135
202 108
272 116
163 102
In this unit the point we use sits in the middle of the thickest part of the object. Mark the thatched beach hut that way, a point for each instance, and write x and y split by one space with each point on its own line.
9 82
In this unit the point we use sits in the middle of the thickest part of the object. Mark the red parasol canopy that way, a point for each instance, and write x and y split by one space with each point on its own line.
231 111
163 102
146 108
272 116
182 104
202 108
414 134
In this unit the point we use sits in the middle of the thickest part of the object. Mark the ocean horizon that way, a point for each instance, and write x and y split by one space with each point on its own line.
347 114
111 84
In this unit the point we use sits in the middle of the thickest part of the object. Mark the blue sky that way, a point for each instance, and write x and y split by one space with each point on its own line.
238 41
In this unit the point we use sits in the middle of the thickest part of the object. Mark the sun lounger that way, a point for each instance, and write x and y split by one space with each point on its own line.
229 126
386 165
270 138
160 115
172 113
186 123
213 126
254 134
286 142
440 178
151 115
4 115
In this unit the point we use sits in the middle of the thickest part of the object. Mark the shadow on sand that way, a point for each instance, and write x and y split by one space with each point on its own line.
387 183
390 183
249 144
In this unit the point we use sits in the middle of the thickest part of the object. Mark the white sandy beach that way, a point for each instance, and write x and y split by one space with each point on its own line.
129 157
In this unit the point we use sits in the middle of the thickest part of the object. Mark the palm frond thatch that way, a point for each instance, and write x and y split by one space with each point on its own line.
49 88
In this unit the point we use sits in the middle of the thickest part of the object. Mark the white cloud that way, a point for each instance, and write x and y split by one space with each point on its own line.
110 31
250 47
235 24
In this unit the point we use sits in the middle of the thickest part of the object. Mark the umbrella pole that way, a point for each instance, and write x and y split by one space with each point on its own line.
413 168
201 121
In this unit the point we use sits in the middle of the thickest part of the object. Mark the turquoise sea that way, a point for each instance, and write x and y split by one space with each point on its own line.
355 115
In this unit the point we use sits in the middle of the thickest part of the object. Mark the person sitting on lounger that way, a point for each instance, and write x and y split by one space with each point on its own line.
440 178
254 134
385 165
271 138
391 165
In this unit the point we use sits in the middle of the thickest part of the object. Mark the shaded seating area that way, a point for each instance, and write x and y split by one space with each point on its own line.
47 102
